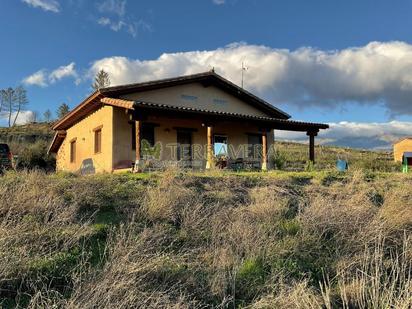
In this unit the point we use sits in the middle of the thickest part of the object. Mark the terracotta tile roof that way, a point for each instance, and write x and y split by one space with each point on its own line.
286 122
118 102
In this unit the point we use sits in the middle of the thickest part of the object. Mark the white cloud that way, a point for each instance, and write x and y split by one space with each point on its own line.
104 21
375 73
133 27
62 72
118 19
24 117
37 79
115 26
219 2
42 78
117 7
373 135
46 5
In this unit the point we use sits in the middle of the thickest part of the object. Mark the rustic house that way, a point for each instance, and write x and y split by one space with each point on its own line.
199 121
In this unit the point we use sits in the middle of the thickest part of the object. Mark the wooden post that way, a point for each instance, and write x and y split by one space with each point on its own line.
138 147
264 151
209 162
312 135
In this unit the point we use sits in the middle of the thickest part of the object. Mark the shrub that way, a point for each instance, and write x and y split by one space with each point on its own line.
278 159
35 156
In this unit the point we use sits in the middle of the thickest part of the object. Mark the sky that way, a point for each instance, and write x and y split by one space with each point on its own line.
346 63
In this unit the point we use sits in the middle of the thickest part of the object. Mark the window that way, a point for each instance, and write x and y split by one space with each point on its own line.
220 145
73 151
98 140
254 146
146 133
184 141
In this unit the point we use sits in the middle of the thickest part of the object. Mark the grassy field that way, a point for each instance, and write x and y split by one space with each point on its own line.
206 240
294 156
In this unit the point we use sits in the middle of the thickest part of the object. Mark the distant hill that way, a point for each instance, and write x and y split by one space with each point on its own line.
29 133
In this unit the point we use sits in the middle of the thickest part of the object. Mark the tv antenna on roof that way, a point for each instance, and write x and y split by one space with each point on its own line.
244 68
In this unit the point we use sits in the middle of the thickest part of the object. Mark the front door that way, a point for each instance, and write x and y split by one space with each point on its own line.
184 146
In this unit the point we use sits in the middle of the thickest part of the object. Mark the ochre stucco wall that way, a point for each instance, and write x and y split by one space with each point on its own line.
197 96
401 147
86 160
165 132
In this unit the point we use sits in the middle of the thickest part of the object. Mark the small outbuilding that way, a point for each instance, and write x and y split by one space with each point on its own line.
401 147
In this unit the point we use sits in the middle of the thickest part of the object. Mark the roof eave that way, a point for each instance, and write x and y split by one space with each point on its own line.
56 142
291 125
60 124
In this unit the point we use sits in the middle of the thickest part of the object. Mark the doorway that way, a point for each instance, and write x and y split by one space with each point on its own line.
184 146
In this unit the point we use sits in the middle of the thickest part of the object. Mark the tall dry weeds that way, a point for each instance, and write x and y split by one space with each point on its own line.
177 240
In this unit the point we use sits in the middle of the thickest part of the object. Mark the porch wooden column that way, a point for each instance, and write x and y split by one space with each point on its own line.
137 168
264 151
209 162
312 135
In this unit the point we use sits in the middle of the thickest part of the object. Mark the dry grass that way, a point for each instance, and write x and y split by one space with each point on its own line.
178 240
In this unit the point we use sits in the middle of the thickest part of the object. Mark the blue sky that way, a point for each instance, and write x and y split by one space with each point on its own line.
54 47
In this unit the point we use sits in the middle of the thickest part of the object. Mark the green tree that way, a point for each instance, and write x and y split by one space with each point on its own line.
102 80
63 110
47 115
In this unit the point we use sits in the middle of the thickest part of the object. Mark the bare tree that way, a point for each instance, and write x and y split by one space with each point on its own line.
20 101
2 102
8 98
47 115
63 110
102 80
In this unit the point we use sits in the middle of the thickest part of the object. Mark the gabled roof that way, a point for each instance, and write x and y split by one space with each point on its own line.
206 78
92 102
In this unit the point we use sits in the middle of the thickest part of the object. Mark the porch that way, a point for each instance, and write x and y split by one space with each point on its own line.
150 135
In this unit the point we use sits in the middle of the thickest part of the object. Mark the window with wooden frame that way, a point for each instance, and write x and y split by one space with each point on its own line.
73 151
98 140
